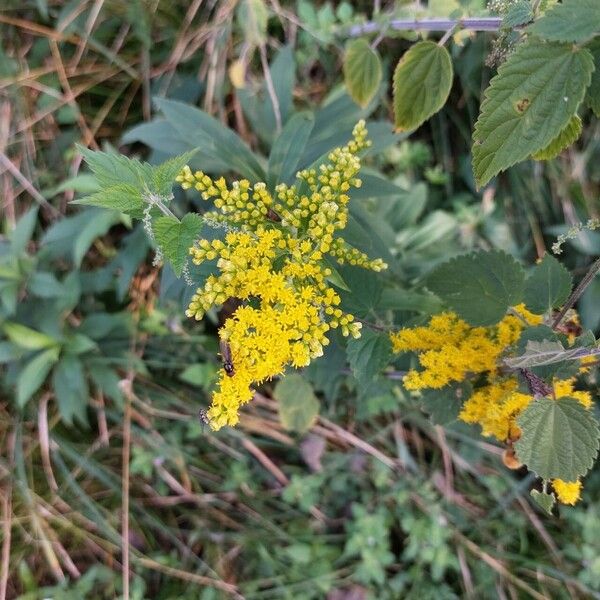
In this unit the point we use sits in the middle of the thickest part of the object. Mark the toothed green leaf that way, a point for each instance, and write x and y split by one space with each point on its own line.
528 104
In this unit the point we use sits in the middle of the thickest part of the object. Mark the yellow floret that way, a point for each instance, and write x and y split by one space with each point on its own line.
567 492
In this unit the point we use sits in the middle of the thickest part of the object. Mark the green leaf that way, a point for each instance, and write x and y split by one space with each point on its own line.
288 149
336 278
298 406
34 374
201 375
70 389
362 71
177 237
77 343
559 438
106 381
570 21
548 286
9 352
479 287
27 338
422 82
369 354
528 103
546 352
444 405
116 169
517 14
123 197
163 176
563 140
199 129
45 285
545 501
366 288
91 231
84 183
22 233
530 349
592 97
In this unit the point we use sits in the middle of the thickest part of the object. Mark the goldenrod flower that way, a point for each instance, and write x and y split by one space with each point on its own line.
567 492
272 258
449 348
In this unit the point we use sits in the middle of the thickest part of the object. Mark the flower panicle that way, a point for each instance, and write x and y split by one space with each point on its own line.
272 259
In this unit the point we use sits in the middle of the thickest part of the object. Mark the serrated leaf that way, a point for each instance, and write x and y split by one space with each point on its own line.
479 287
528 103
547 352
592 97
122 197
563 140
362 71
559 438
563 369
27 338
70 389
298 406
369 354
570 21
163 176
444 405
545 501
175 238
116 169
548 286
422 82
517 14
34 374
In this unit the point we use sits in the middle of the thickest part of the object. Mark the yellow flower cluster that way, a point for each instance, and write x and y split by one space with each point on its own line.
495 406
272 260
450 350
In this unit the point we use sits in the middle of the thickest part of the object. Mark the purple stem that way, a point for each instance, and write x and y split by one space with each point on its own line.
472 23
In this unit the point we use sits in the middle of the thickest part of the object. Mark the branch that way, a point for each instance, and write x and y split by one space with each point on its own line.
472 23
577 293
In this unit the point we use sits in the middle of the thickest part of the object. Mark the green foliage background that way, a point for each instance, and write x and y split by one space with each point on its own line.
367 499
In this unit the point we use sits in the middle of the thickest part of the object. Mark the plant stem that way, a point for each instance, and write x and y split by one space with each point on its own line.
270 87
578 292
447 35
428 24
127 388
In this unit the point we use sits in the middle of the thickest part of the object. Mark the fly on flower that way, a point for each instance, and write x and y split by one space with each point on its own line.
226 356
203 417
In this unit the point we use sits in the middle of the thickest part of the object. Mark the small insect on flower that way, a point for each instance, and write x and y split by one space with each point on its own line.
273 216
226 356
203 417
